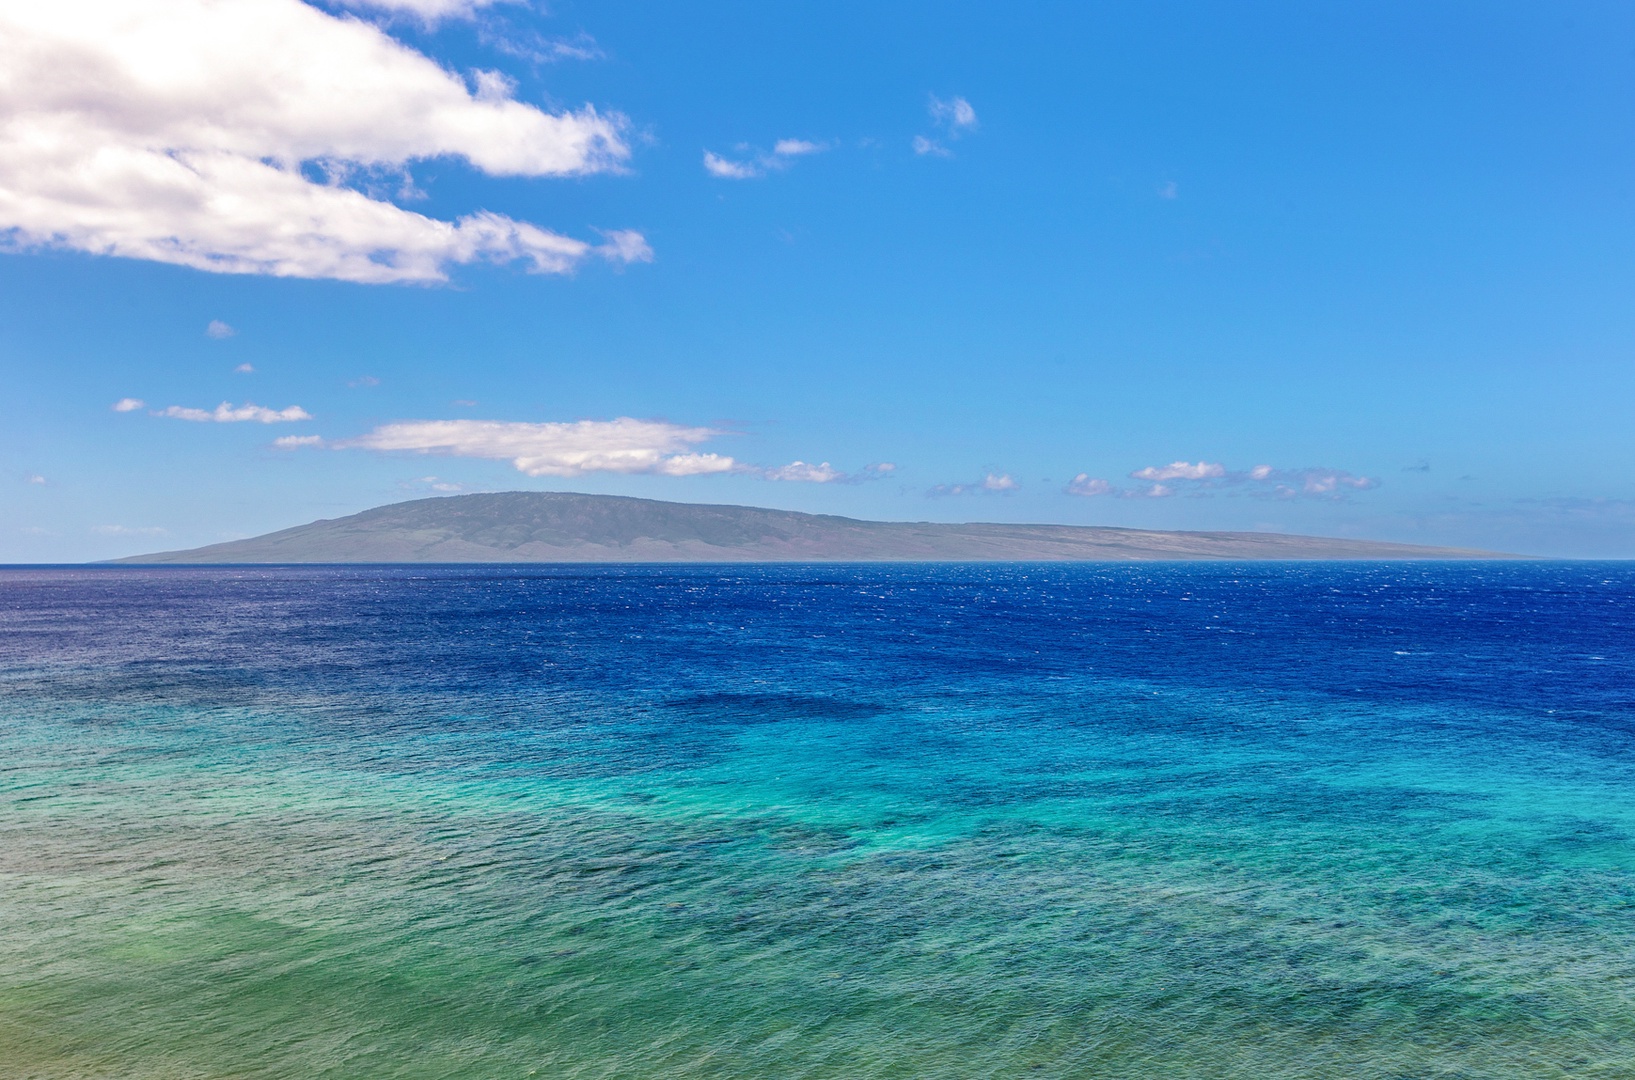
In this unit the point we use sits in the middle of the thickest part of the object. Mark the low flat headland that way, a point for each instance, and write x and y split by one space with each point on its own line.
526 526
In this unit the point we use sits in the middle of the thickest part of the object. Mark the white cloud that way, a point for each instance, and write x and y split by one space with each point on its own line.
1085 484
537 48
218 330
492 85
759 164
923 145
245 369
127 404
623 445
725 169
230 414
438 484
801 471
1001 483
428 10
184 131
954 117
1180 470
1330 483
1203 477
797 147
295 442
625 246
36 479
826 473
127 530
955 114
1169 189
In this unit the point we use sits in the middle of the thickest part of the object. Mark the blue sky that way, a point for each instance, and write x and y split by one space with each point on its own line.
1348 269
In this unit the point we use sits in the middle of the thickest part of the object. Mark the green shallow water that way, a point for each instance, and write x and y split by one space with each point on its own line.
797 863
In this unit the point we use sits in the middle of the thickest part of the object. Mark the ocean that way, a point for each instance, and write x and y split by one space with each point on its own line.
1261 820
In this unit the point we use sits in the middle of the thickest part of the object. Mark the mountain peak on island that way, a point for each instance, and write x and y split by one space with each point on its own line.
530 526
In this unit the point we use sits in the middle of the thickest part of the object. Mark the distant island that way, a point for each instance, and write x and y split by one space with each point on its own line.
526 526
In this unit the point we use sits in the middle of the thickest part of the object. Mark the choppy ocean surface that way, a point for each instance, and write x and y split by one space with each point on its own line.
1242 820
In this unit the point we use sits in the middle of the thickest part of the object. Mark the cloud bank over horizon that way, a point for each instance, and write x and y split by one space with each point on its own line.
1205 477
224 137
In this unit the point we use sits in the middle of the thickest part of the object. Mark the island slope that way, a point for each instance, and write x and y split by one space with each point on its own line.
519 526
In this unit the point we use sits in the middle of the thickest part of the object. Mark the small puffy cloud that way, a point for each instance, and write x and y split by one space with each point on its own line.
811 474
35 479
1180 470
1319 483
127 404
218 330
923 145
725 169
363 382
955 115
797 147
437 484
624 246
1330 483
758 164
245 369
226 413
695 465
993 483
1087 485
189 132
624 445
295 442
953 118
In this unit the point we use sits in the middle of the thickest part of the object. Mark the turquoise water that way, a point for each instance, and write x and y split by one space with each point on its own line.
1096 821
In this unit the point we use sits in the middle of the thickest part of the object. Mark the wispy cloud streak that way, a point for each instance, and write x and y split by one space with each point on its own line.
954 118
1207 477
579 448
752 164
227 413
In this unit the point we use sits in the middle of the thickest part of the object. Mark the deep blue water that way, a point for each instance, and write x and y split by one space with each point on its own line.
1269 820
